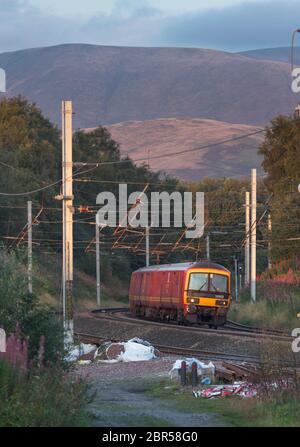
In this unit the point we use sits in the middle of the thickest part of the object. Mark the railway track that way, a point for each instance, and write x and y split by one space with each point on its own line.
187 352
231 328
89 333
253 329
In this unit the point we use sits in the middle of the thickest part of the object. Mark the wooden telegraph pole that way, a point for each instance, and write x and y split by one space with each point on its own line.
67 204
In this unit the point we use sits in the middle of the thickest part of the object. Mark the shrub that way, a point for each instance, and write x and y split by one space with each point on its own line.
277 306
40 398
19 308
16 351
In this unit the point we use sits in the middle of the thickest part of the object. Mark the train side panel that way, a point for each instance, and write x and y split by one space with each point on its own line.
157 293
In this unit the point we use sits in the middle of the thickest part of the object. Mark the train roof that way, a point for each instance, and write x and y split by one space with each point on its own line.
183 266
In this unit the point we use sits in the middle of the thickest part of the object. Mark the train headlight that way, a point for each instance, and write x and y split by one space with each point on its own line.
193 300
221 303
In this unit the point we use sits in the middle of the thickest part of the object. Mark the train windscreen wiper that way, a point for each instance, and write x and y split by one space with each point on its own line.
202 286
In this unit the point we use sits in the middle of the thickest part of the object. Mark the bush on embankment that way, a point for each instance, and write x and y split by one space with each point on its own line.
35 386
40 398
18 308
277 306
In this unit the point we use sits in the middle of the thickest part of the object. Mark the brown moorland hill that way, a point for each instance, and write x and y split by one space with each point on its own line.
115 84
154 141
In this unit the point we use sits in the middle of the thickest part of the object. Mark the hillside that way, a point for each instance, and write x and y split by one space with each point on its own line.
144 140
281 54
115 84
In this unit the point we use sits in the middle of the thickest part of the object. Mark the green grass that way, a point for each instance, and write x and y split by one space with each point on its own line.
282 409
41 398
271 310
47 284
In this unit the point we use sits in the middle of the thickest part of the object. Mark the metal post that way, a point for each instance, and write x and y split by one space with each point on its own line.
98 265
147 246
67 185
236 278
207 247
183 373
269 243
247 237
194 374
240 277
29 224
253 234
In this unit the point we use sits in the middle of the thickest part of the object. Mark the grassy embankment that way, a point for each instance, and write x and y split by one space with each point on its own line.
41 398
47 282
276 307
35 387
279 409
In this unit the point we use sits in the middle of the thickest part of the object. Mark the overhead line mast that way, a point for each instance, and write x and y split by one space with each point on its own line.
253 233
247 236
67 205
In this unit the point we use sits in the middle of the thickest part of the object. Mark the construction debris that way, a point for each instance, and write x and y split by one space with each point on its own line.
134 350
232 371
203 369
79 351
241 379
192 371
242 389
84 362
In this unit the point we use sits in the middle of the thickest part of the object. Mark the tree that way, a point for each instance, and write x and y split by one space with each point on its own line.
281 152
29 160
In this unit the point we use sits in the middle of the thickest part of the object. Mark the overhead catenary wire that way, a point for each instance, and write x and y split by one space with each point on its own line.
185 151
27 193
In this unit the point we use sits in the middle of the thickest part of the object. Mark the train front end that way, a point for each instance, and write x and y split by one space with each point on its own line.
207 295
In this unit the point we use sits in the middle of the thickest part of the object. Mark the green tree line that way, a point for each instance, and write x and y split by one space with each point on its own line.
30 159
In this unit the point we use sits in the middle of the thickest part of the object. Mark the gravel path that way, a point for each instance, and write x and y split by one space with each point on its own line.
122 398
107 372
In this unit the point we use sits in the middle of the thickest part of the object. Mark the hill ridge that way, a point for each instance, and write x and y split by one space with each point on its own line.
110 84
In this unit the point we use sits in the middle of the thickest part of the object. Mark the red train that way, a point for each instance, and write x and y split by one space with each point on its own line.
195 292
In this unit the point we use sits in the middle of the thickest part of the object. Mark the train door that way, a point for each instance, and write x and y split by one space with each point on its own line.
143 292
175 285
165 289
137 288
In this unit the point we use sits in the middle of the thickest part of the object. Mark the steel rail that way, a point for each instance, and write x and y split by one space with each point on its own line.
232 329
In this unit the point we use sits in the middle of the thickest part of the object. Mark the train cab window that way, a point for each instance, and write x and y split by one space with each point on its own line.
199 281
218 283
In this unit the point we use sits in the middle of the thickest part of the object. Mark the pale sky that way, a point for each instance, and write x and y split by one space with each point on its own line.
90 7
229 25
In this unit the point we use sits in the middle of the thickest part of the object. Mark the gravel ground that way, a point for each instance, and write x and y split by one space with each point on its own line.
106 372
122 398
121 388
